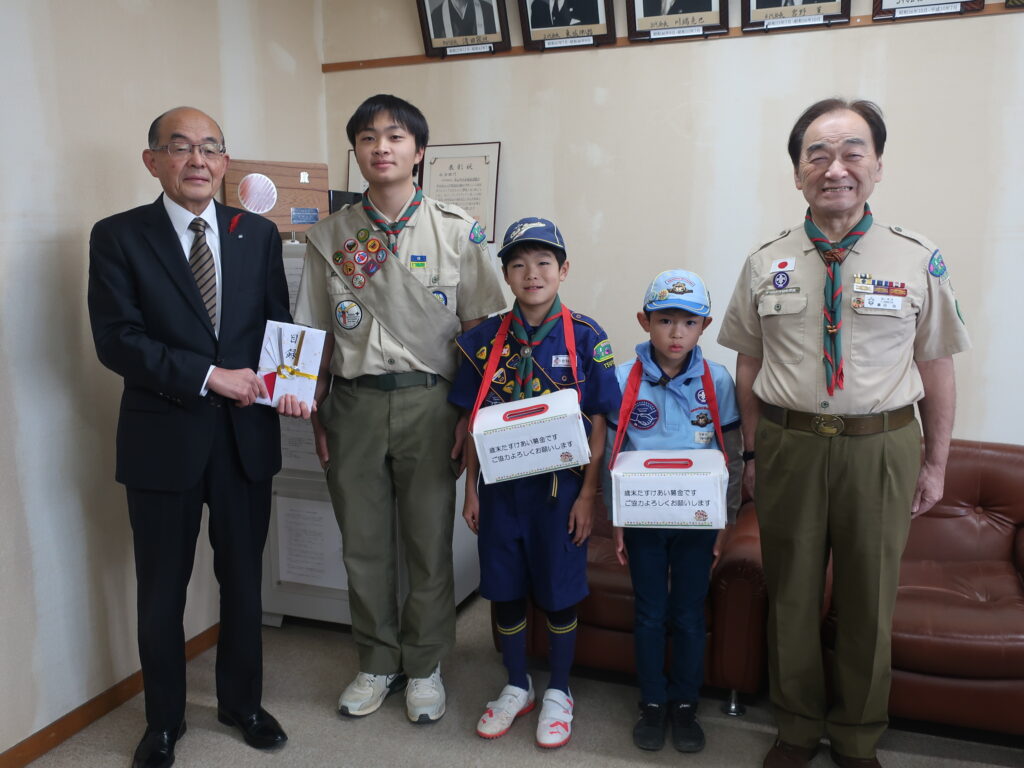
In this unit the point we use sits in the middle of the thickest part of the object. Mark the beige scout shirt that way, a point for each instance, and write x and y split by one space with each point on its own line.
459 272
779 319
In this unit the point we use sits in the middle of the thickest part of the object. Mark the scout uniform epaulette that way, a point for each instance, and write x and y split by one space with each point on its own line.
771 240
903 231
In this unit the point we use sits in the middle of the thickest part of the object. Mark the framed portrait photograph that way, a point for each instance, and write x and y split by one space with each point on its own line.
466 175
766 15
454 27
890 10
676 19
549 24
1015 3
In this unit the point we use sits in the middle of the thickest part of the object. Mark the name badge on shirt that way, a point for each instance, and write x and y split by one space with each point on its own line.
875 301
559 361
704 438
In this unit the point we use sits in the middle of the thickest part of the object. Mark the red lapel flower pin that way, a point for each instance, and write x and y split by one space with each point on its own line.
234 222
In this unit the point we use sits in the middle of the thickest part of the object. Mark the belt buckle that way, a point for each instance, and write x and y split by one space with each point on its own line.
827 425
387 382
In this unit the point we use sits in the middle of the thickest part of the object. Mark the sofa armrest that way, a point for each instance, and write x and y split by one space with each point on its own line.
739 608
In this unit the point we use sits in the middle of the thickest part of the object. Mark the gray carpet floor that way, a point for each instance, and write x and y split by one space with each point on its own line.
308 664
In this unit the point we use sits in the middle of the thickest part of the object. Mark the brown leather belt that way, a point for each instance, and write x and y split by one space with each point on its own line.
831 425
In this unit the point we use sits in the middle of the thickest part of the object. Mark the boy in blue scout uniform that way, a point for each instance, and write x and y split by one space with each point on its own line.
670 568
533 531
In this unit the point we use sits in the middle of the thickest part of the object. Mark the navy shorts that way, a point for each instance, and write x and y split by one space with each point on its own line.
524 544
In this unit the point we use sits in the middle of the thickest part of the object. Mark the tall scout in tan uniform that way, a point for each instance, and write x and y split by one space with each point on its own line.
394 279
841 323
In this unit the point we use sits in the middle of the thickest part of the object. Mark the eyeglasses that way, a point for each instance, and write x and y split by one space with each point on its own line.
208 149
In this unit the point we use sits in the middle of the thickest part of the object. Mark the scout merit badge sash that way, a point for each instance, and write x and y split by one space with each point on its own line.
558 310
391 293
629 400
833 255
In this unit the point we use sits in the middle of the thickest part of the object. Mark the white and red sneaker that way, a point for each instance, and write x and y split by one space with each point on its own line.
554 728
511 703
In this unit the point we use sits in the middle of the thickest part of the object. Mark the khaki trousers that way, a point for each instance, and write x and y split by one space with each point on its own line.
390 478
849 497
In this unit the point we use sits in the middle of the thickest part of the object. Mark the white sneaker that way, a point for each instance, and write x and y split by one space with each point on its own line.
367 692
512 702
554 728
424 698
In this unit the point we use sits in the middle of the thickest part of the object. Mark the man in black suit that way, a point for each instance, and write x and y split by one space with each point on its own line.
467 18
179 294
563 13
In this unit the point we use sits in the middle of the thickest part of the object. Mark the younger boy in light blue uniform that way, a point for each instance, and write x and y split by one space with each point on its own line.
671 567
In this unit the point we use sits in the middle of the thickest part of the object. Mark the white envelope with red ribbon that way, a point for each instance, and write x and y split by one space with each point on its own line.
290 361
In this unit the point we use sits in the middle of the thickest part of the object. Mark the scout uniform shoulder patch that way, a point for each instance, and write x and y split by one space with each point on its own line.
936 266
603 351
477 234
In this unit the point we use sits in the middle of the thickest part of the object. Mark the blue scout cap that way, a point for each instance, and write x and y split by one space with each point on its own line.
532 229
678 289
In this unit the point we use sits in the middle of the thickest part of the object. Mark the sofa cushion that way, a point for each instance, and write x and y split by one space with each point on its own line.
961 619
610 603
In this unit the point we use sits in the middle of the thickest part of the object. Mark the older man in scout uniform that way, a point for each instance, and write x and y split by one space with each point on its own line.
841 325
394 279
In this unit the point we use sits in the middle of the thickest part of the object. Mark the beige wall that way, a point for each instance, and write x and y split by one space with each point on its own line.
649 156
82 81
652 156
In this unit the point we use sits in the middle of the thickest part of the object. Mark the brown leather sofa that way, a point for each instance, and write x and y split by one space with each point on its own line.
958 631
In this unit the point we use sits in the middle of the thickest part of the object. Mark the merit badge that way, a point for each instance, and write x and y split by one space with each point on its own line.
701 397
348 268
338 257
373 245
477 234
534 385
603 351
780 280
370 268
783 265
507 389
499 377
358 281
381 256
362 257
506 350
351 245
702 420
363 235
481 354
513 362
417 261
559 361
440 296
644 414
936 266
348 314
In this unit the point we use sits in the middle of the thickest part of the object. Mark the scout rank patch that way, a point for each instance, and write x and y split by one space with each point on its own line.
477 234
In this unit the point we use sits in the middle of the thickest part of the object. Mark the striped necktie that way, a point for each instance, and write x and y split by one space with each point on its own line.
200 259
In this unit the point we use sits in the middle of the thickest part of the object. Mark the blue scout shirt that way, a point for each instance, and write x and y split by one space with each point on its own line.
596 367
674 416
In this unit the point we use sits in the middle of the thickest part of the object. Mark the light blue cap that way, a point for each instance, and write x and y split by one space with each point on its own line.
678 289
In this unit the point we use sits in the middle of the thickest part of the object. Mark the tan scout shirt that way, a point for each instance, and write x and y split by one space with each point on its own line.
776 314
459 272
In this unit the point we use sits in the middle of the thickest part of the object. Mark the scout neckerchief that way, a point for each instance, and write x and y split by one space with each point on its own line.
833 255
530 341
391 229
636 373
499 343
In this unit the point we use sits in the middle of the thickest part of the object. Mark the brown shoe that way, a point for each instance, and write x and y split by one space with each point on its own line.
854 762
785 755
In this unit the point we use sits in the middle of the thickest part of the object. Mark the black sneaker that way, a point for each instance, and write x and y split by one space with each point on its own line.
649 731
687 735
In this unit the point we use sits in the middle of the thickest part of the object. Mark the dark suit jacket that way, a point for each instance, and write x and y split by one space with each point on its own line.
150 327
653 7
437 21
583 10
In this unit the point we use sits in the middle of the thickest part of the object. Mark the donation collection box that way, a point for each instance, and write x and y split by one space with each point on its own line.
531 437
669 489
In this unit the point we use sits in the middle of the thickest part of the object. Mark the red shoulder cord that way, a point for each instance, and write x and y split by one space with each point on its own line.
495 357
629 400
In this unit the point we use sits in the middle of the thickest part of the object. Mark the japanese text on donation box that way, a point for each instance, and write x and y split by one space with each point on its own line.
669 489
530 437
